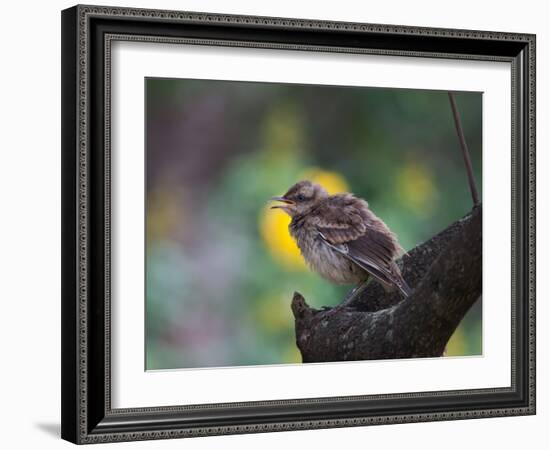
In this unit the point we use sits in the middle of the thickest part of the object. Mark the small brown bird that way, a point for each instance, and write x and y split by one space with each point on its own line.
341 238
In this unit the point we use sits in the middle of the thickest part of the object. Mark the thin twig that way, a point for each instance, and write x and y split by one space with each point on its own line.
465 152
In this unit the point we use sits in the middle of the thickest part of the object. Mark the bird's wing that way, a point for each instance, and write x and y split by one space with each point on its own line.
342 220
372 256
361 237
368 250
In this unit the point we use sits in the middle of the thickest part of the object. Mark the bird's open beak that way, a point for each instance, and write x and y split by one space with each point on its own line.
281 199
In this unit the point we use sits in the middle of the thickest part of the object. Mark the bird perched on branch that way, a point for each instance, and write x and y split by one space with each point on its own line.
341 238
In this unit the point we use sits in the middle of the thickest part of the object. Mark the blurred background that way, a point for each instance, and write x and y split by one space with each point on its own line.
221 267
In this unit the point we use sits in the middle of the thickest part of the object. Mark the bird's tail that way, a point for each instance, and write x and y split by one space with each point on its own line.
400 282
403 287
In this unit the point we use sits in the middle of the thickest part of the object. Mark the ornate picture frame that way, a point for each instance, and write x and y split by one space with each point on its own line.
88 33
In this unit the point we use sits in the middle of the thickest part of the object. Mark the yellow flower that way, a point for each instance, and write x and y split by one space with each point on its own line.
416 188
333 182
274 231
274 222
164 214
283 131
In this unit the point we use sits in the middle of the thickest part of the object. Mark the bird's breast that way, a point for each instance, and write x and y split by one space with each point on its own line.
322 259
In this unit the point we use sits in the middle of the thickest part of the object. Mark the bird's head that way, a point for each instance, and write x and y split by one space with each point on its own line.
300 198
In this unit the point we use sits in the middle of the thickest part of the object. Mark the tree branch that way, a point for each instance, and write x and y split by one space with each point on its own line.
445 273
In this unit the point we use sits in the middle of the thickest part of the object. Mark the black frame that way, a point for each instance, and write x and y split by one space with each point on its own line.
87 32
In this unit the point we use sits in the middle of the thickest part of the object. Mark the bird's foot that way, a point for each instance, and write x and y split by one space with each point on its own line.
331 311
345 304
353 294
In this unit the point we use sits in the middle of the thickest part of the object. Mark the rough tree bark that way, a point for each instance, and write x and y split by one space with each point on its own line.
445 274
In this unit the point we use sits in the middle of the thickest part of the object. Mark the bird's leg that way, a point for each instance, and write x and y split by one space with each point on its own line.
351 295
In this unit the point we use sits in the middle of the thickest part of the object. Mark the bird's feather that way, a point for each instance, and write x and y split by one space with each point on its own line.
386 272
350 228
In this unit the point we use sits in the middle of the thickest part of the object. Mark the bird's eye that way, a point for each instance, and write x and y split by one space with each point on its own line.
300 198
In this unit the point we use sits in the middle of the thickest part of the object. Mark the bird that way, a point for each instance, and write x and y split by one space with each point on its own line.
341 239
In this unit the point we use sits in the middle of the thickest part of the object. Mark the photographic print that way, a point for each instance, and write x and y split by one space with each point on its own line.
290 223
